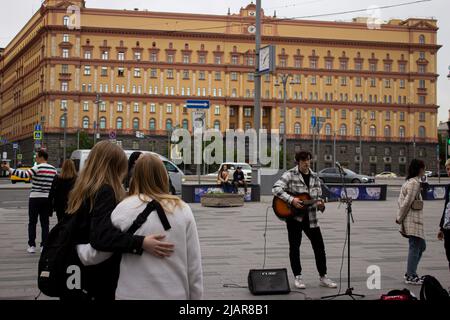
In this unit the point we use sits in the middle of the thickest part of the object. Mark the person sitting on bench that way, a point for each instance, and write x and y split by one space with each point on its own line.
239 179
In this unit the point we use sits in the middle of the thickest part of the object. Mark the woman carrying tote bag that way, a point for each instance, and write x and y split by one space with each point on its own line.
410 219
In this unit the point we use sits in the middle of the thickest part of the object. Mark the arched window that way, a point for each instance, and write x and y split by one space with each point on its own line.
217 125
357 131
62 121
343 130
85 122
401 132
422 39
297 128
387 131
168 124
328 129
102 123
135 124
372 131
422 132
119 123
281 127
66 21
186 124
152 124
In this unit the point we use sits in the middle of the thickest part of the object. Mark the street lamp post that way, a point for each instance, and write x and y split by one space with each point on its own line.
284 78
360 121
65 133
97 103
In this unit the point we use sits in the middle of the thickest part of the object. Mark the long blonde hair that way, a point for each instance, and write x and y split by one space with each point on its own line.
105 165
150 179
68 170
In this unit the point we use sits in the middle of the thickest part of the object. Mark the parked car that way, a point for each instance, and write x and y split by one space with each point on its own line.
443 173
176 174
246 169
14 179
386 174
332 175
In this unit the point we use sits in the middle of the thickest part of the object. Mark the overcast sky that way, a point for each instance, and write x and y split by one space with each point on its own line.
14 15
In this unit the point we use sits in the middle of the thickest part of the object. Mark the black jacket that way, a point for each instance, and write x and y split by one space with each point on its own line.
95 227
238 176
59 193
441 224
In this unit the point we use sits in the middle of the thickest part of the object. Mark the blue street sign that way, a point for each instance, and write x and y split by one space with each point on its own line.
15 145
37 127
313 121
197 104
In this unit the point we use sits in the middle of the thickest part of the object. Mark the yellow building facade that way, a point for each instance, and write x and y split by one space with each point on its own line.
379 83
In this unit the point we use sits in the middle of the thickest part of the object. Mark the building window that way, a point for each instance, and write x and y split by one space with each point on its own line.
283 63
88 55
313 64
281 127
372 115
217 110
387 131
168 124
421 84
136 107
402 84
152 124
247 112
421 132
169 73
217 125
102 123
153 73
87 70
343 65
105 55
217 60
66 21
373 82
358 81
328 80
65 53
169 108
402 68
153 57
422 100
401 132
86 123
358 66
137 56
297 128
186 58
343 81
422 116
328 65
201 75
86 106
102 107
422 39
372 67
119 123
387 83
62 121
170 58
234 60
402 116
422 68
65 38
250 76
218 75
327 129
388 115
137 72
64 86
135 124
372 131
185 74
120 72
387 67
247 126
185 124
234 93
357 131
343 114
119 107
121 56
343 130
201 59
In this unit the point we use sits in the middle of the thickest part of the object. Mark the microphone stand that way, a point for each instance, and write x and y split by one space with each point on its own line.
348 201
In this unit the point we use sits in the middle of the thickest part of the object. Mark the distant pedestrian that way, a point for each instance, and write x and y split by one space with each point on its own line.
223 178
42 176
444 225
410 219
62 185
131 164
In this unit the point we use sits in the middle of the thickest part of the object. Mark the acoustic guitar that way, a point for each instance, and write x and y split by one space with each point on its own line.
284 210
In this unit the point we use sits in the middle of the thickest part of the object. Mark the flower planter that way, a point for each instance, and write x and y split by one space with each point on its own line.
222 200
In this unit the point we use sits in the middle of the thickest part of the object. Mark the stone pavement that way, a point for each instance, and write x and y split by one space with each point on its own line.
232 241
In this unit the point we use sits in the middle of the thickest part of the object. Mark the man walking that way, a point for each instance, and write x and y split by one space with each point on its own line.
42 176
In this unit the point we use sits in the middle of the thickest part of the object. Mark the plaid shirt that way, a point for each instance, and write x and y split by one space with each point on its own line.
292 181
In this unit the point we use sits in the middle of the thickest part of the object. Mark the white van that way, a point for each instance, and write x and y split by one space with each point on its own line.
176 175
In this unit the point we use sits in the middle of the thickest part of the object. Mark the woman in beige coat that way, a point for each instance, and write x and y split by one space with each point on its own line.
410 219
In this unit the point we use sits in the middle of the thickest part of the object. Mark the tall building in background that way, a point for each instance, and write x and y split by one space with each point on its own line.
373 85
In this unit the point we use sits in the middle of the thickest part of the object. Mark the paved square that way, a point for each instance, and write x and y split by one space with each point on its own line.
232 241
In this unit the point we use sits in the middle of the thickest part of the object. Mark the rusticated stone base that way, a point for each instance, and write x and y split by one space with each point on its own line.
222 200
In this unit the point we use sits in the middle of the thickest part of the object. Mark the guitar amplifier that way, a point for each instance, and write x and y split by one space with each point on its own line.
268 281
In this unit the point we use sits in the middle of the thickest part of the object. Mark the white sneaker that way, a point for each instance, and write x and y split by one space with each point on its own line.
327 282
31 250
299 282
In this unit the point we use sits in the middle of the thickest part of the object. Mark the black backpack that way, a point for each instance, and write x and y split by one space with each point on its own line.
432 290
59 261
59 257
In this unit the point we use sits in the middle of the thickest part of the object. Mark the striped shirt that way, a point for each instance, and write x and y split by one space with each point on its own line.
291 182
42 176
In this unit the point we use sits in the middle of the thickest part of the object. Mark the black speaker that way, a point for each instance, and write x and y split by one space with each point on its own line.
268 281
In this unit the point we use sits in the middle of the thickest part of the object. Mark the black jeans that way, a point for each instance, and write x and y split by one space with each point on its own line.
42 208
447 245
295 229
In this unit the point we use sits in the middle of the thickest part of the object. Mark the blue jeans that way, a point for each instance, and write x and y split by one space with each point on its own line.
227 187
416 247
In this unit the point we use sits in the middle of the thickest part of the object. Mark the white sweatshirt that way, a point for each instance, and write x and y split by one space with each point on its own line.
147 277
